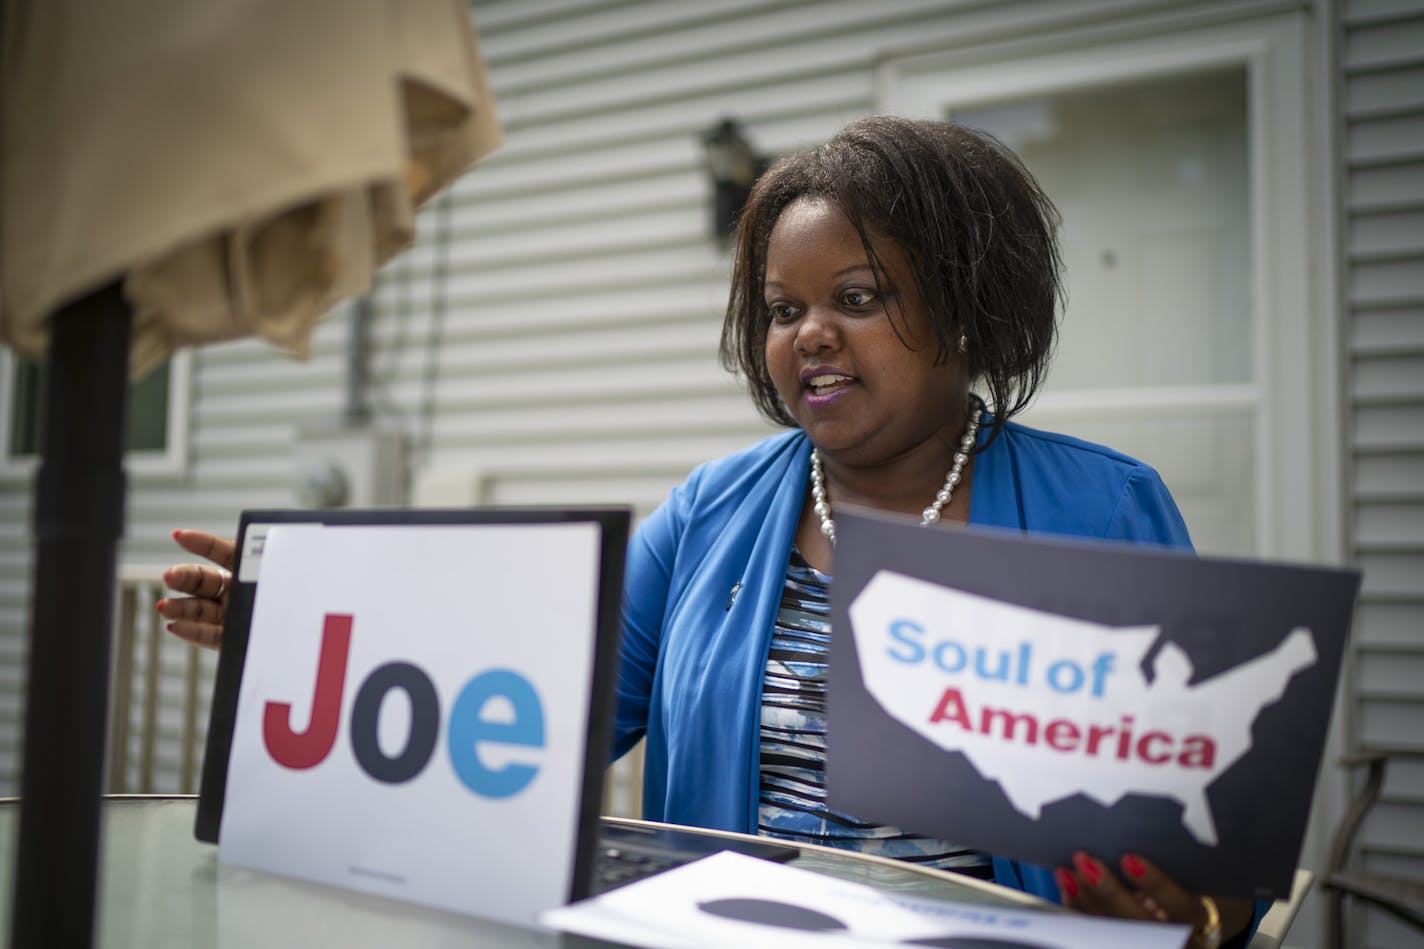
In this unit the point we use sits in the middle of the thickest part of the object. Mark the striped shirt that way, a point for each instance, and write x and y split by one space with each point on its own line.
793 741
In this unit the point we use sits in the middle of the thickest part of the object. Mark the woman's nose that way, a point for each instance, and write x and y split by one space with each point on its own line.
818 331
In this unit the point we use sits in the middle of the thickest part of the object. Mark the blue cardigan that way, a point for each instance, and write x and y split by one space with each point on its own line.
695 642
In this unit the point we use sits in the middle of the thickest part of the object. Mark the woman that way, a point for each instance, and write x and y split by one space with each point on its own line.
875 278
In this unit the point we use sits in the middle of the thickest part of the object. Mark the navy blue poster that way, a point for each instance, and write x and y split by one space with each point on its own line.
1032 697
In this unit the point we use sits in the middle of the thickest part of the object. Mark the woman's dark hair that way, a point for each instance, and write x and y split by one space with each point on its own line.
979 234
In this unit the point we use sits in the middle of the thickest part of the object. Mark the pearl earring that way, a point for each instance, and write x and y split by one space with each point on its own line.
963 344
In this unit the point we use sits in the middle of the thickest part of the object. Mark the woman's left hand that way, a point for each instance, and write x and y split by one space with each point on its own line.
1140 891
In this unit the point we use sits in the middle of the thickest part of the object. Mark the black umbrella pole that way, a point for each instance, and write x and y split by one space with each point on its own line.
79 515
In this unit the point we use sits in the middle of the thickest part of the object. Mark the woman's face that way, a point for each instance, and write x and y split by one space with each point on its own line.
863 393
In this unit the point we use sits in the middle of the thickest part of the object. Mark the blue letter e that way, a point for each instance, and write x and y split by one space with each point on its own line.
468 729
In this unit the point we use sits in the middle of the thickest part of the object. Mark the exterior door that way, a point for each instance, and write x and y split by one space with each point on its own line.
1175 161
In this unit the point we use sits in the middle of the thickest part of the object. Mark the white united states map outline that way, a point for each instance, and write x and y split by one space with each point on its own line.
1225 706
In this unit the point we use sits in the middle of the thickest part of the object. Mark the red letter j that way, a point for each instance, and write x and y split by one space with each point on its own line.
297 751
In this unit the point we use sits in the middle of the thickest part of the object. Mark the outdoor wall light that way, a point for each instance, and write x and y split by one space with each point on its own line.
734 166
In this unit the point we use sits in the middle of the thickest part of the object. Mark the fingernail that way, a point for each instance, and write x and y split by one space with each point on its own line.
176 532
169 627
1088 867
1133 867
1066 883
159 605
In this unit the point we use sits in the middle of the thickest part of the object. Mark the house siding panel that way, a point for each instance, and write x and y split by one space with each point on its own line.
1382 128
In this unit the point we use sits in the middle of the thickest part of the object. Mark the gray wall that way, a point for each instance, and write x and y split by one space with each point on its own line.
1381 126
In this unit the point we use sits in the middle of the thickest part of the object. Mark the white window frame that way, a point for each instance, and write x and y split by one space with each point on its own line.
1295 391
172 461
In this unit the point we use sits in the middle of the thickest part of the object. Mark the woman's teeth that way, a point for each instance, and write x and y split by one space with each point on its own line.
820 385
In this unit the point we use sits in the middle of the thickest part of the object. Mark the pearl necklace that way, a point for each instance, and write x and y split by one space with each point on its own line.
929 515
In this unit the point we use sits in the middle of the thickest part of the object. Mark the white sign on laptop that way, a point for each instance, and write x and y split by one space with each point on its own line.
413 718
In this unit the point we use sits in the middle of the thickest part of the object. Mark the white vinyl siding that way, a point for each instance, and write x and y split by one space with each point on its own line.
1382 143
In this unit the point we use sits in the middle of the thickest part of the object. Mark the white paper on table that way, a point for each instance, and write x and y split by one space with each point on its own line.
691 907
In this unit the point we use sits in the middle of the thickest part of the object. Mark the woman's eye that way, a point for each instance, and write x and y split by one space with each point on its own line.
780 312
858 298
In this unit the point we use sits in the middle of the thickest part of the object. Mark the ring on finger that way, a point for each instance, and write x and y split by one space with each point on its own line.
1209 930
222 584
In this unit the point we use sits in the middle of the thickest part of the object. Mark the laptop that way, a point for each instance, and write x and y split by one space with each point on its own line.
606 854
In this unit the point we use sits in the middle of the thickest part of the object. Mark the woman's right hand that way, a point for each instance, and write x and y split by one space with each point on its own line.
198 616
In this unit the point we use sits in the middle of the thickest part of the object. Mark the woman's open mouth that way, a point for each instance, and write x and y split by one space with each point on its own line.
823 387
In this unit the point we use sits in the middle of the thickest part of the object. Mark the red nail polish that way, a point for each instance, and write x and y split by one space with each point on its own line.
1089 868
1066 883
1133 867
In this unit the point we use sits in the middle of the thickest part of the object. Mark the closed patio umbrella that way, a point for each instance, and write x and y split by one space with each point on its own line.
175 173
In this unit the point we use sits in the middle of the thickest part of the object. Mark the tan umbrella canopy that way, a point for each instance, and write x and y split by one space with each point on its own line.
173 173
241 165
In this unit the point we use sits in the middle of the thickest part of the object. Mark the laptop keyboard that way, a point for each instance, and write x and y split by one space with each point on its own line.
627 854
616 866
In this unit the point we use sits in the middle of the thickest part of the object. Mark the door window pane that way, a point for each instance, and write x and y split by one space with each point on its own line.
1152 179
